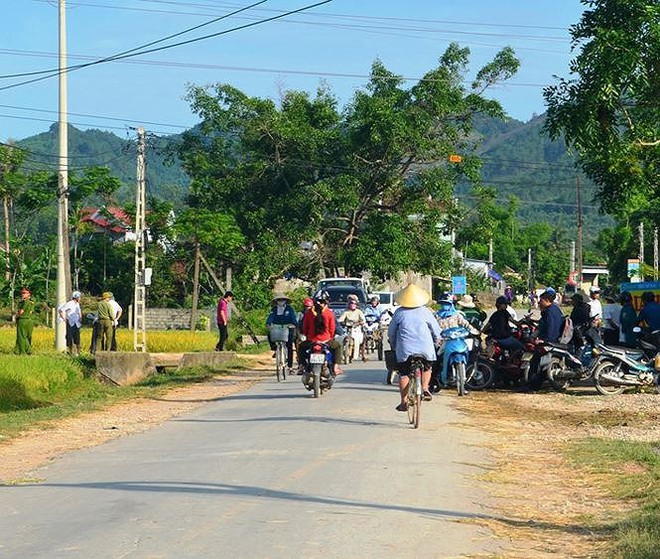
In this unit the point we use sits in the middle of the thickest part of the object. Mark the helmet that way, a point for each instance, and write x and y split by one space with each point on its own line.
321 296
446 298
501 300
308 302
580 297
352 298
76 295
594 289
550 290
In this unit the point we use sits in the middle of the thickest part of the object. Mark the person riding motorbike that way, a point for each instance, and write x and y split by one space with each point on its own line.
499 328
448 317
319 326
583 328
413 331
355 316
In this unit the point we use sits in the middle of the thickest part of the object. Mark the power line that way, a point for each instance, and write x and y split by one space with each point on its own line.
165 47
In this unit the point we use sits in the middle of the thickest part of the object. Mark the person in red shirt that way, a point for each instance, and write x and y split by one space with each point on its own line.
319 326
222 319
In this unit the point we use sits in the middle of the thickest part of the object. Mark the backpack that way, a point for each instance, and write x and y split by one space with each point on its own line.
566 331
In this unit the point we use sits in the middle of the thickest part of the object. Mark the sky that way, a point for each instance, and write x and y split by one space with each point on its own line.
333 44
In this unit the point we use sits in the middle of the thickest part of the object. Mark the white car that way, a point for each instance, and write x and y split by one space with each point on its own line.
386 300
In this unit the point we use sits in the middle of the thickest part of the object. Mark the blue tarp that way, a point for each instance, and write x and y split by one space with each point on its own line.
494 275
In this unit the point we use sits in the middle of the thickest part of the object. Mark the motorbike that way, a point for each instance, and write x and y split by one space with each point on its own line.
317 374
465 370
352 340
372 335
509 370
563 367
628 368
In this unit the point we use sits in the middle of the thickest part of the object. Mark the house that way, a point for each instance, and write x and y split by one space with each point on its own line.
110 220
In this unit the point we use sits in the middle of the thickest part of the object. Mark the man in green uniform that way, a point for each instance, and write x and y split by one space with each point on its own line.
24 324
106 313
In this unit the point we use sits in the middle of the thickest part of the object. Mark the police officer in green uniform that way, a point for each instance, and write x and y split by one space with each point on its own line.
106 313
24 323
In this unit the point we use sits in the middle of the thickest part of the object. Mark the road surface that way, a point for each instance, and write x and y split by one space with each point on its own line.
269 472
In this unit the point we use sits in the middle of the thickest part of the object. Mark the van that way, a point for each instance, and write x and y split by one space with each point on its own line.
386 300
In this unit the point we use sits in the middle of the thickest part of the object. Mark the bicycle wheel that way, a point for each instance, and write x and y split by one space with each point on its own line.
411 399
278 361
459 371
283 360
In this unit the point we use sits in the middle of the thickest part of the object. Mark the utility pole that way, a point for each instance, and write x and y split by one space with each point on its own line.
578 244
655 254
139 299
195 293
641 251
62 183
529 270
572 262
490 253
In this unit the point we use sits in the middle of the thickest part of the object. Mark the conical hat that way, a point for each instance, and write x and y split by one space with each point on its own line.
412 296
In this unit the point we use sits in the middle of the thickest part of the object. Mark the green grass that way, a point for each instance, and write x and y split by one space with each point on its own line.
633 469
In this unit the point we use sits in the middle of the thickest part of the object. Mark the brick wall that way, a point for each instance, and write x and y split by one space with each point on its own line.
174 319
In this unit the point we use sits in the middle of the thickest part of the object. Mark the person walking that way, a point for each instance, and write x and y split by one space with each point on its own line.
106 318
118 311
24 323
71 315
222 319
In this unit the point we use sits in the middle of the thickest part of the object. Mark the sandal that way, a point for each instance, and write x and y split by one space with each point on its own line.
426 396
402 407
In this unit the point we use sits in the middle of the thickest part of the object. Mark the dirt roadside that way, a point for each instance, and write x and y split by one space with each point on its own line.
540 499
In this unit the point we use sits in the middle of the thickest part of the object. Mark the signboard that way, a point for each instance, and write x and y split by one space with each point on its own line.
633 269
455 159
459 285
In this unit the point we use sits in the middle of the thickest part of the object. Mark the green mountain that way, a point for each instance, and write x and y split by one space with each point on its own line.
519 160
165 178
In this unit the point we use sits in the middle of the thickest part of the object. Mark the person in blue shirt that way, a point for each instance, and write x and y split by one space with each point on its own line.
282 313
413 331
650 313
550 327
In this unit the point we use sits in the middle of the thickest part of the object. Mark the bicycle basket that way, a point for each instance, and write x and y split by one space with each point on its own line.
279 333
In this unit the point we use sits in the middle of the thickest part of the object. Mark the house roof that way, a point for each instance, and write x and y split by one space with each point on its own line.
119 222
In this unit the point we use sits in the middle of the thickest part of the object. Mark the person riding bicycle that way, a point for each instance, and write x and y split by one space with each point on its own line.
319 326
355 317
413 331
282 313
448 317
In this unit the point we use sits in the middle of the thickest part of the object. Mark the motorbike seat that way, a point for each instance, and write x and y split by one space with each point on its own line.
620 350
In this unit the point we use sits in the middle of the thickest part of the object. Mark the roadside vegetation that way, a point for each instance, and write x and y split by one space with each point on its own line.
46 386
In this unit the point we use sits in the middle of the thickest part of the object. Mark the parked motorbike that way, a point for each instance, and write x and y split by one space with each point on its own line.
465 370
563 368
511 370
628 368
317 374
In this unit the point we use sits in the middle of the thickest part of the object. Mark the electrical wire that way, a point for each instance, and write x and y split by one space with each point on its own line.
165 47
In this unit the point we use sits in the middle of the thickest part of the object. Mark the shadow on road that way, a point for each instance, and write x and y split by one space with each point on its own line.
305 418
224 489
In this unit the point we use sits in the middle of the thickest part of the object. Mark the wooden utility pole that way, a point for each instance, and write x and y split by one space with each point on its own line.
530 274
139 299
578 242
572 261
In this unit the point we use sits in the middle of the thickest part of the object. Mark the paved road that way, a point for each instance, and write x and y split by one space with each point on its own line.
269 472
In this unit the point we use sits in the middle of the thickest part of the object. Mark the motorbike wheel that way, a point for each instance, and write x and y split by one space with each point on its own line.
552 372
317 381
347 349
603 386
459 373
480 375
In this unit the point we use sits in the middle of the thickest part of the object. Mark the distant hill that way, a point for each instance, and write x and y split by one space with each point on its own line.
518 160
94 147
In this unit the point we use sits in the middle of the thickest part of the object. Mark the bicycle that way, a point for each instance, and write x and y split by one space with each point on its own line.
279 335
414 399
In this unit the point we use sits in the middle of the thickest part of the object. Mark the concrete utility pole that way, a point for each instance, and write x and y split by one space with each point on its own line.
529 270
62 184
572 261
139 299
578 244
655 253
641 251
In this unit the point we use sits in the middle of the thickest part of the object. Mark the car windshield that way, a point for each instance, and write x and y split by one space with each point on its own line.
385 298
341 297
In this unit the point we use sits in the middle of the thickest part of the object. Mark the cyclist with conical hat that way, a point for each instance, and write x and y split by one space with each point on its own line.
413 331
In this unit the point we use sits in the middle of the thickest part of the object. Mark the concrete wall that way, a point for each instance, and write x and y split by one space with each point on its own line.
175 319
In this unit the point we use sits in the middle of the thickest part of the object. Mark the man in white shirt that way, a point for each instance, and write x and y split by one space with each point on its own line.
118 312
611 321
71 314
596 313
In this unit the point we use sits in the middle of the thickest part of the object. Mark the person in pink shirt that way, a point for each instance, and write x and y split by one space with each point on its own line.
222 319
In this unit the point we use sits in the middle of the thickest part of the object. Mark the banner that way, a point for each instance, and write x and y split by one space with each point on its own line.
637 288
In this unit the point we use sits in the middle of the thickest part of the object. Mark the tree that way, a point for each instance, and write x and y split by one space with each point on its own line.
368 187
609 109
